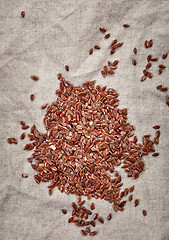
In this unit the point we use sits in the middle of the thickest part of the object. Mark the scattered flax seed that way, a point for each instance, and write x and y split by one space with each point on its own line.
25 127
109 217
64 211
93 233
131 189
24 175
96 47
146 44
44 106
149 75
135 50
95 216
154 59
101 219
150 43
22 123
161 66
130 198
84 232
22 14
164 56
159 87
144 213
134 62
67 68
22 136
32 97
112 51
88 230
160 71
126 25
92 206
143 78
35 78
156 127
148 65
103 30
136 202
155 154
149 57
91 51
107 35
164 89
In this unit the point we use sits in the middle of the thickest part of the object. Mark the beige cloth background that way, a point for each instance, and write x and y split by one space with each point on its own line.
55 33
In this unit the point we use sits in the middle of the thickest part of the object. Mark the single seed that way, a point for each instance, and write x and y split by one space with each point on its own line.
130 198
149 57
107 35
145 72
160 71
67 68
154 59
25 127
101 219
112 51
143 78
144 213
95 216
156 127
109 217
149 75
88 230
159 87
22 136
135 50
24 175
64 211
164 56
150 43
70 219
96 47
91 51
136 202
134 62
162 66
131 189
93 233
148 65
92 206
35 78
22 14
103 30
32 97
164 89
22 123
126 25
84 232
44 106
155 154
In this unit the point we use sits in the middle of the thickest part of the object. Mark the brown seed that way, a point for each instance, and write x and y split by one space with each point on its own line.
159 87
103 30
32 97
96 47
107 35
88 230
144 213
92 206
35 78
91 51
135 50
44 106
160 71
130 198
134 62
158 133
22 14
109 217
24 175
149 75
112 51
143 78
149 57
155 154
164 56
154 59
118 45
164 89
101 219
64 211
113 42
156 127
115 63
146 44
70 219
25 127
84 232
95 216
93 233
136 202
22 123
131 189
148 65
103 73
162 66
126 25
145 72
150 43
67 68
22 136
